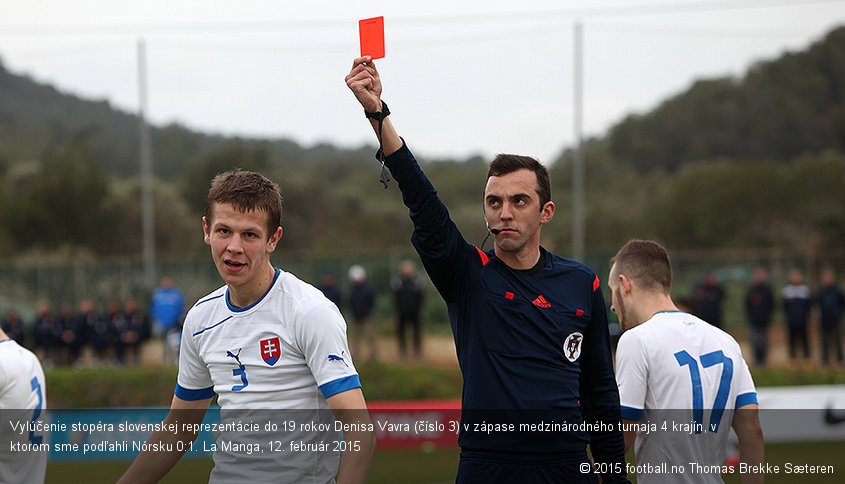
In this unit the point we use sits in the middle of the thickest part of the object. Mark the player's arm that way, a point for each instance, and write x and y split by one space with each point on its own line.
359 442
746 424
151 465
632 378
629 435
599 394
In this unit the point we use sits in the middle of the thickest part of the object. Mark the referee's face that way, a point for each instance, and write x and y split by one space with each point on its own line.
512 206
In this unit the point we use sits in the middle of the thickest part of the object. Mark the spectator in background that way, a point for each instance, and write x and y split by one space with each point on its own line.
13 326
362 298
137 331
91 329
70 338
115 325
796 307
167 306
328 286
759 305
408 291
43 336
832 305
708 300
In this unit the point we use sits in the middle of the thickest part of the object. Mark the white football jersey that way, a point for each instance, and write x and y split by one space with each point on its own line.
687 377
23 456
284 354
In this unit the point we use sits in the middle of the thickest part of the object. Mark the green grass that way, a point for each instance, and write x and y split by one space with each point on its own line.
415 467
144 387
766 377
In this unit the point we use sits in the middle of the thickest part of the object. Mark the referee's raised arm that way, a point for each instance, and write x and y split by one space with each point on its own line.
365 83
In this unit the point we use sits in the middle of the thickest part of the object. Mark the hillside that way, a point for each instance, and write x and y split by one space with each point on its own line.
752 162
780 109
35 118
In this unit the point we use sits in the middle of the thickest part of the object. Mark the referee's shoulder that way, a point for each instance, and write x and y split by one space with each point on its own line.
564 264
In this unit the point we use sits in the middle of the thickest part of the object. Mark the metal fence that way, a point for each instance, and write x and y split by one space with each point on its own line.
23 285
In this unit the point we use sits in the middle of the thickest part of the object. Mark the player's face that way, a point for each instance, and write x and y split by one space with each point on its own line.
617 304
240 245
511 205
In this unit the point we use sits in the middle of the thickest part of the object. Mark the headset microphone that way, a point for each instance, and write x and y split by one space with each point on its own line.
492 231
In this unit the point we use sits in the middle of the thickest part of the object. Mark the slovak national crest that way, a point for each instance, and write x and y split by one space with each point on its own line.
271 350
572 346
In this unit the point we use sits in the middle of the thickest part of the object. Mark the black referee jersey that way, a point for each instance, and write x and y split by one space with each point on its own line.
533 346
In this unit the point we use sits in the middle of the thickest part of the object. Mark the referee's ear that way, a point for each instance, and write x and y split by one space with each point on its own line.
547 212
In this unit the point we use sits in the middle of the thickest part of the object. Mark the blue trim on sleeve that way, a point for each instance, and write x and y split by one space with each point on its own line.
340 385
187 394
7 339
746 399
632 413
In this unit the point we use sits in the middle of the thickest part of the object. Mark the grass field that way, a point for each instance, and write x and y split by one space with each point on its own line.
439 467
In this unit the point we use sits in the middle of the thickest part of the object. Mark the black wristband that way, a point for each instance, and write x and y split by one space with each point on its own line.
379 115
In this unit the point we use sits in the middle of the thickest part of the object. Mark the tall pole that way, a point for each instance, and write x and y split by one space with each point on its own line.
578 162
147 218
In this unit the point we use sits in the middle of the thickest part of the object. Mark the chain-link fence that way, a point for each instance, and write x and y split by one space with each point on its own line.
23 286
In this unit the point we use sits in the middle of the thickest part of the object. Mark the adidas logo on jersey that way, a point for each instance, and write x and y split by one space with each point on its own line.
541 302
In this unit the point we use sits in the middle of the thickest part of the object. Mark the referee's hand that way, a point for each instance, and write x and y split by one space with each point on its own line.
365 83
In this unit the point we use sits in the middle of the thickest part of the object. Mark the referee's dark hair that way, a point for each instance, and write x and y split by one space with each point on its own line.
504 164
646 263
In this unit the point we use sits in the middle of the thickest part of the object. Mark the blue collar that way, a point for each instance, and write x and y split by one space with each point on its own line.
246 308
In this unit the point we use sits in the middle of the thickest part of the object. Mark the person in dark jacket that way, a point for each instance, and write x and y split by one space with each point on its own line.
759 304
135 333
408 292
329 288
831 305
708 300
43 337
796 306
362 298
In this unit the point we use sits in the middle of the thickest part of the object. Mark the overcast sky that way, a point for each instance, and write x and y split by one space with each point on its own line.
462 78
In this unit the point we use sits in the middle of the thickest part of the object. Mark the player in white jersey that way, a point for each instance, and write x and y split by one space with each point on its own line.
274 351
23 455
675 368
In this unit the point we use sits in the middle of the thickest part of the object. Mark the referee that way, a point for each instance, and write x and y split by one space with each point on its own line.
530 327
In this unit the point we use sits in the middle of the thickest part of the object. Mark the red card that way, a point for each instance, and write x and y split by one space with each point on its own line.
371 31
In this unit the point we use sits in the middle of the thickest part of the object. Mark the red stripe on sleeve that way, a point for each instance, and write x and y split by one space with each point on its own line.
596 283
484 258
